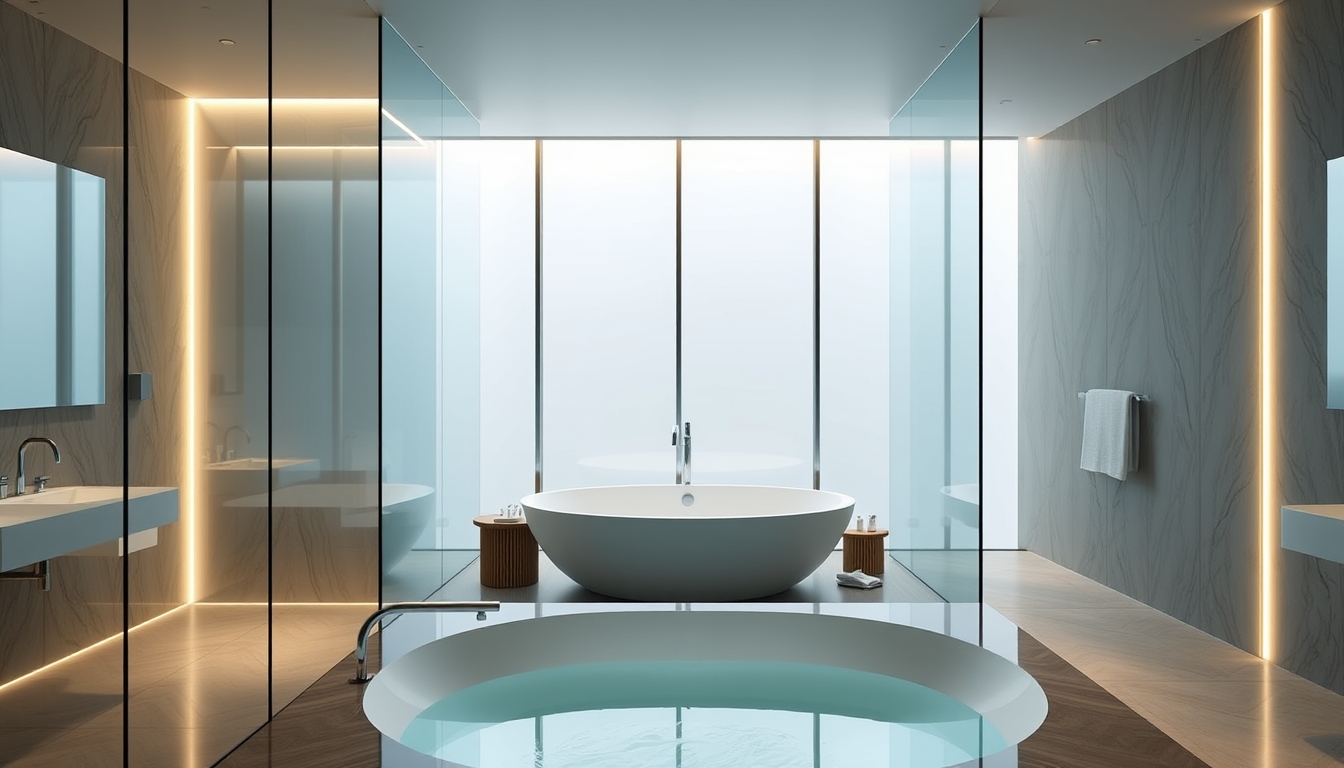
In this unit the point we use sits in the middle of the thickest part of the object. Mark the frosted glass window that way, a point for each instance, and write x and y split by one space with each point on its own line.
747 283
608 312
855 323
508 376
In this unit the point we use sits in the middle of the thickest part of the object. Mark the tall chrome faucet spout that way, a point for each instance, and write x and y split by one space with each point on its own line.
686 454
56 452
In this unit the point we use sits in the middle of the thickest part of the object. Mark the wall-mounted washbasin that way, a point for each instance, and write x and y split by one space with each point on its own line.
1313 529
61 521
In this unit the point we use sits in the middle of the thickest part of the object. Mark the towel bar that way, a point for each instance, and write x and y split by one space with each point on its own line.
1138 398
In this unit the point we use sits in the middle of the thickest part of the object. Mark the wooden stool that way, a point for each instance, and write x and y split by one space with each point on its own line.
508 553
864 551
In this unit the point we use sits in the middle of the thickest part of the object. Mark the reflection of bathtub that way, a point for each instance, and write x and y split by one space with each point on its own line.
407 510
962 503
679 543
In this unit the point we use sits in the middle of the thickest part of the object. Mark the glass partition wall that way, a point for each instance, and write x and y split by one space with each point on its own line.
809 307
935 282
228 482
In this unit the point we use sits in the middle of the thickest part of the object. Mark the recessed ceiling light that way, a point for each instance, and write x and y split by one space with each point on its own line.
1005 101
226 41
1093 41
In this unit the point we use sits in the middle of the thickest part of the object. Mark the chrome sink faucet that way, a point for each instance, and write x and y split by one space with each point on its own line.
683 434
19 489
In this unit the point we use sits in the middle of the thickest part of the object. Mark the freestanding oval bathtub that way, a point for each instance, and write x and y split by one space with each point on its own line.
687 543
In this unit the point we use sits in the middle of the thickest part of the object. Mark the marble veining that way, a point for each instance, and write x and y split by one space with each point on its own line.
1164 258
1310 127
1179 208
61 100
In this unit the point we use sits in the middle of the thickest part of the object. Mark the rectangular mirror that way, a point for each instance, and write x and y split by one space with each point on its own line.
52 287
1334 283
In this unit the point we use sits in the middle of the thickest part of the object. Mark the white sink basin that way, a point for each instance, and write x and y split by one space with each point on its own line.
59 521
79 494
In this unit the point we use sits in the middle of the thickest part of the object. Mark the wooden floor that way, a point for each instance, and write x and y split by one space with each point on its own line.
1086 727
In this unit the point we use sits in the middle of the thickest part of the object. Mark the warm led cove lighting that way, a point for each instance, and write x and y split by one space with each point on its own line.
86 649
191 404
1268 513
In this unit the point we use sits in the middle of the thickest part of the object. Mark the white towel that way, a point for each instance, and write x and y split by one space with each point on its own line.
858 580
1110 433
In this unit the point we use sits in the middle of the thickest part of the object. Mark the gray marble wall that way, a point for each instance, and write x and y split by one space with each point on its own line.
62 101
1140 258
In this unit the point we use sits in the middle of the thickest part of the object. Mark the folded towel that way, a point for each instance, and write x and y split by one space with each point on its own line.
1110 433
858 580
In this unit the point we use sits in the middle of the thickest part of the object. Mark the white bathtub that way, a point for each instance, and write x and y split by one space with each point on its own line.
688 543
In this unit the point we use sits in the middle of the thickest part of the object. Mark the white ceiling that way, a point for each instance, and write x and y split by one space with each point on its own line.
663 68
1035 56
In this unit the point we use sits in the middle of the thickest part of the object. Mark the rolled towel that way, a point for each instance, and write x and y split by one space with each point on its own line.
858 580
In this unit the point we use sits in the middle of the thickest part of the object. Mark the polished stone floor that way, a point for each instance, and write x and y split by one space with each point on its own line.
197 682
1226 706
1129 685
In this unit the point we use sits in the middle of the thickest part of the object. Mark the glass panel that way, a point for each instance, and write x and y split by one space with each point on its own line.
935 327
747 286
609 312
199 675
62 103
430 327
326 501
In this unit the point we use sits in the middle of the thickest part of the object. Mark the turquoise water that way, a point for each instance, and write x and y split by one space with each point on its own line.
700 714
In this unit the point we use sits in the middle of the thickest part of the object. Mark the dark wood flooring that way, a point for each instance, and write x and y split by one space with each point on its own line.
1086 727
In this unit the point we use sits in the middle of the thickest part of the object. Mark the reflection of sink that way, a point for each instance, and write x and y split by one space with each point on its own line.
244 477
262 463
60 521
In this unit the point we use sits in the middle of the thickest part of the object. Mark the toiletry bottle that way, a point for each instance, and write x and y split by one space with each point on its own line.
872 522
858 524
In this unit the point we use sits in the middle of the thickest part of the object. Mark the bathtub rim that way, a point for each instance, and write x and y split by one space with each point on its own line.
1016 707
848 500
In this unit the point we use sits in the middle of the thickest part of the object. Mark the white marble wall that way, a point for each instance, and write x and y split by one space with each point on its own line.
1309 58
1138 268
1140 260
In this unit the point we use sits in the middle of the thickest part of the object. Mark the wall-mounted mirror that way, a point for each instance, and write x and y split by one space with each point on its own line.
1334 283
52 286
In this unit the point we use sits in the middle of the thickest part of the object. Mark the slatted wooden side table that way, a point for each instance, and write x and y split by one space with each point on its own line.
508 553
864 551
